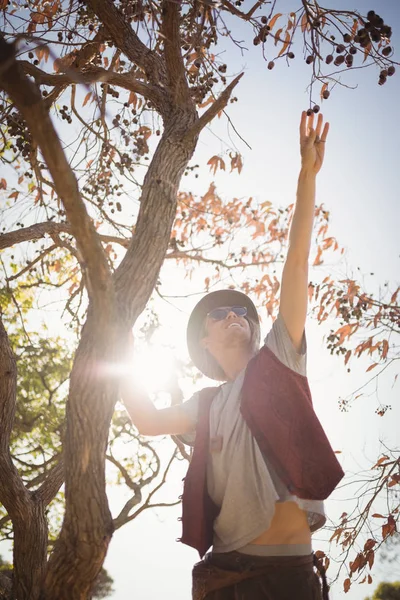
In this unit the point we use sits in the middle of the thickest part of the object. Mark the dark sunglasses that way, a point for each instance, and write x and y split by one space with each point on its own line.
218 314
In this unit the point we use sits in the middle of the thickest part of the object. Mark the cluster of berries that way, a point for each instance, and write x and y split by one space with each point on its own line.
373 31
64 114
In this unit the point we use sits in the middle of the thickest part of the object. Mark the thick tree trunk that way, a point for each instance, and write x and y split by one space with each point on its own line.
87 528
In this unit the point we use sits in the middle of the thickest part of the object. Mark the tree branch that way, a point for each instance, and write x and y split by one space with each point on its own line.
34 232
52 483
91 74
13 494
27 98
84 56
238 13
214 109
129 43
177 82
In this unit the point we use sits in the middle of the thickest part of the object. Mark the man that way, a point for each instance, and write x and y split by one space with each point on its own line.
261 465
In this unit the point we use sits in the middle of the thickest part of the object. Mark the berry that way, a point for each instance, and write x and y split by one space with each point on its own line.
309 112
309 59
347 38
329 59
290 55
370 15
339 60
386 51
383 74
340 48
376 37
349 60
264 20
391 71
326 94
271 65
316 109
353 50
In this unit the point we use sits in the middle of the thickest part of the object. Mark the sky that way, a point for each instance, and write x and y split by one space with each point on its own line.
359 184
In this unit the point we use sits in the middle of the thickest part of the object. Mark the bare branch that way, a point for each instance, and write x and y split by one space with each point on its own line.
127 40
84 56
34 232
27 98
228 6
91 74
214 109
52 483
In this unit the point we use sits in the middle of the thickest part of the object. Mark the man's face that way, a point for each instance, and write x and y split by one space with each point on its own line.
230 330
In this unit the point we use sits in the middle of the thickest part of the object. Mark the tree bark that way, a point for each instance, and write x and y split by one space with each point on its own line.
25 509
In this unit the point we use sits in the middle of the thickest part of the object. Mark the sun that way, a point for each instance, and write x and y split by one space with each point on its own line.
153 368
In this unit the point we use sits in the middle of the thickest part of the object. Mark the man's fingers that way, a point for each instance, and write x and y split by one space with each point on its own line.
303 122
325 132
319 125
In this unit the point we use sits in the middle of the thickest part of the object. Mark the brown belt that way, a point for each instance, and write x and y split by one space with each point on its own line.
208 578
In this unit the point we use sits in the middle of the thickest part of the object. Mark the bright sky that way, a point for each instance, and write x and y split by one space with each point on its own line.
359 185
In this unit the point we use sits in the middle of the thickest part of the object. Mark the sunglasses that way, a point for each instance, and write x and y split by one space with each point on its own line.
219 314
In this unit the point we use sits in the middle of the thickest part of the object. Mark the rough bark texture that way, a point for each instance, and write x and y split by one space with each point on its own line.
114 303
27 512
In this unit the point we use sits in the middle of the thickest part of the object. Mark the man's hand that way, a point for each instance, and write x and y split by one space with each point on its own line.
312 142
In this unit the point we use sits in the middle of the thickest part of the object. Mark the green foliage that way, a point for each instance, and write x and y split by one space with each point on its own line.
386 591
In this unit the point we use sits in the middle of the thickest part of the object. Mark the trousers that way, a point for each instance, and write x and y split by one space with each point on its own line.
237 576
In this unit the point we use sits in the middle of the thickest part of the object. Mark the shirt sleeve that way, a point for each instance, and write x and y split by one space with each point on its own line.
279 341
191 408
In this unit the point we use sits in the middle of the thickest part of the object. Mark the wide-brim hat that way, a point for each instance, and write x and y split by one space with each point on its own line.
196 322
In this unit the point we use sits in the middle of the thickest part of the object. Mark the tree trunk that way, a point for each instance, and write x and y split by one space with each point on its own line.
87 528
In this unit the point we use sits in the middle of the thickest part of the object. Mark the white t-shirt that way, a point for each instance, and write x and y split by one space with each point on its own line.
240 479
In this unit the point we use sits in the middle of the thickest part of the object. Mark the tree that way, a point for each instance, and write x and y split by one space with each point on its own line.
140 59
387 591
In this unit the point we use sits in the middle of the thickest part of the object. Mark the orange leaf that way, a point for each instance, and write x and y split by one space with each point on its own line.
133 99
38 17
304 23
347 357
367 50
371 558
3 184
210 100
318 260
14 195
369 544
385 348
378 516
286 44
278 36
236 162
87 98
371 367
354 28
323 89
369 578
381 460
346 585
216 162
274 20
394 297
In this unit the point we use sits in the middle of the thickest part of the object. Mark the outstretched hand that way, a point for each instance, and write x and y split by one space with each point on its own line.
312 142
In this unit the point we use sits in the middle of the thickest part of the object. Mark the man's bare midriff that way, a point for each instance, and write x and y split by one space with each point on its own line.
289 526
